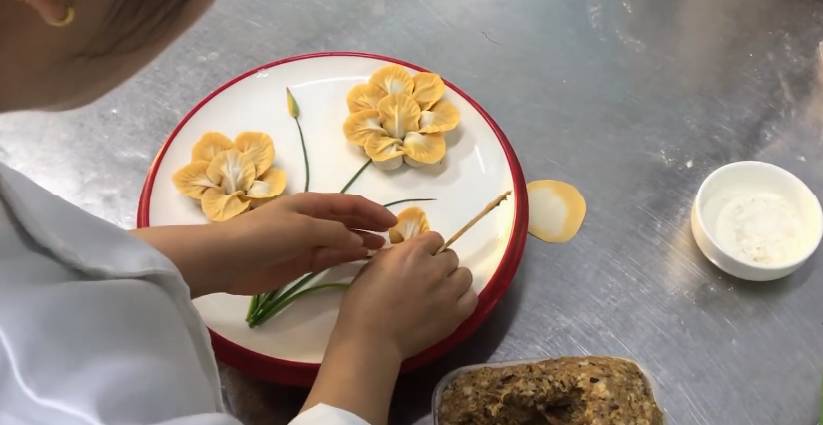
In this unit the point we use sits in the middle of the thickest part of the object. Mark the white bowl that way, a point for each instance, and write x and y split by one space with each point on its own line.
740 182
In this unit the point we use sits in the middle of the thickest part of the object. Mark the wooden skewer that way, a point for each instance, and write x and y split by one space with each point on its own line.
492 205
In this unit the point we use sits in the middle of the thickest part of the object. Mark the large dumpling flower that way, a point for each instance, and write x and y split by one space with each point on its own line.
396 117
229 178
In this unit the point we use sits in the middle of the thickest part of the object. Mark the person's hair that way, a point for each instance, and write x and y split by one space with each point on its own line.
130 24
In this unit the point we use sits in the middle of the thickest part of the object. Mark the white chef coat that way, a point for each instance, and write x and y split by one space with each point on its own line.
97 327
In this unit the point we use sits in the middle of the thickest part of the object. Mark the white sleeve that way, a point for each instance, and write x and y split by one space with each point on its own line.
96 327
323 414
95 353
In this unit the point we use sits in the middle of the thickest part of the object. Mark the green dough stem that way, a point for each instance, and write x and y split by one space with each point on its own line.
408 200
356 175
305 155
286 301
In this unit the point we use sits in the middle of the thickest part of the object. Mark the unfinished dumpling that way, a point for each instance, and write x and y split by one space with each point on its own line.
556 210
411 222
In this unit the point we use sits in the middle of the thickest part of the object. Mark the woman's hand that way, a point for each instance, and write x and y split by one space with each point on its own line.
271 246
404 301
407 299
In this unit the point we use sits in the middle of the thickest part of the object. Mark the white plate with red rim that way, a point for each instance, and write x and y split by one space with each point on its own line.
480 164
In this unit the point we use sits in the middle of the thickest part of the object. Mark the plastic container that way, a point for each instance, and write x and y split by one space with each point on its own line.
449 377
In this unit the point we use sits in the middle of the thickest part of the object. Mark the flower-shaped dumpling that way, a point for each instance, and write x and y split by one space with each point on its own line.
397 117
410 223
230 177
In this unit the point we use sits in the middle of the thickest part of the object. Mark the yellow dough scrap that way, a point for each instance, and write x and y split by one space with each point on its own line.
443 116
363 127
399 114
410 223
232 170
192 180
259 148
220 207
428 89
209 145
556 210
364 96
269 184
393 79
424 149
385 153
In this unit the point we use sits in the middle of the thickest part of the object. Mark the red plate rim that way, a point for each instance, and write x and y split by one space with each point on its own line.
303 374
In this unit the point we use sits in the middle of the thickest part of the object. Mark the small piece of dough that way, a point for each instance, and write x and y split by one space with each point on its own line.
556 210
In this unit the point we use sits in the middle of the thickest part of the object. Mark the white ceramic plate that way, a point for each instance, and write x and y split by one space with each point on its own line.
479 165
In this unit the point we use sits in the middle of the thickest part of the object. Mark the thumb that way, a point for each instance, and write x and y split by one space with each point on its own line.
328 233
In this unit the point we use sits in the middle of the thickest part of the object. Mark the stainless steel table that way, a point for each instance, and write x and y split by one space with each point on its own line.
633 102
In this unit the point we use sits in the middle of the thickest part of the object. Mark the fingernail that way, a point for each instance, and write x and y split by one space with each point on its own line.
355 239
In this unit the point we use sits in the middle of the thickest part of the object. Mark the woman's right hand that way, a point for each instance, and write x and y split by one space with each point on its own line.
404 301
408 298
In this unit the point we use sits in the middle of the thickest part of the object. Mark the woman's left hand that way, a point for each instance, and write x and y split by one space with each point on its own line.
269 247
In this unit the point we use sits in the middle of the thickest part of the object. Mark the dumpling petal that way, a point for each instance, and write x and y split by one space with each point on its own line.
220 207
232 170
363 127
209 145
259 147
364 96
393 79
192 180
428 89
399 114
271 183
385 153
556 210
424 149
443 116
411 222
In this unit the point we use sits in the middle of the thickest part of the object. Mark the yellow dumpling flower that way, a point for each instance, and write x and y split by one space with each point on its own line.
229 178
398 118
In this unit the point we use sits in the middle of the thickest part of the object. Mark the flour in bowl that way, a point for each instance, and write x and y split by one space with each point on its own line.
760 227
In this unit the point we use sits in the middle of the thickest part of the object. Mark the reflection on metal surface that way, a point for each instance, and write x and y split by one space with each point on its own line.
633 102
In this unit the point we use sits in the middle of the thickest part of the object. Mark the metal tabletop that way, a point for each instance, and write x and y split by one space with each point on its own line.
634 102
